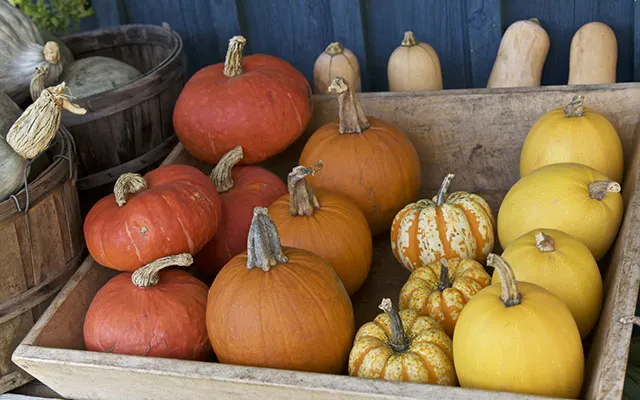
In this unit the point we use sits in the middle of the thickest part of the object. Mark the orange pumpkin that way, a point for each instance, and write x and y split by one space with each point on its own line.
451 226
368 160
442 288
153 312
327 225
279 307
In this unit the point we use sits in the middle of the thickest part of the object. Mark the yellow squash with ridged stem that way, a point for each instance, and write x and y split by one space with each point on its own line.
563 265
573 198
453 225
573 134
403 346
518 337
442 288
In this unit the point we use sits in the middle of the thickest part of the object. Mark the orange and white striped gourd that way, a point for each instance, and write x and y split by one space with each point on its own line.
442 288
451 226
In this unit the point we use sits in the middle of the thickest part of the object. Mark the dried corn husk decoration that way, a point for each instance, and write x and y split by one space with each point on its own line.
22 49
31 134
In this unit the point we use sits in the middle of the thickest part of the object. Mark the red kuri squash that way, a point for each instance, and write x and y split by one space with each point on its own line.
241 188
368 160
326 224
259 102
172 209
279 307
152 312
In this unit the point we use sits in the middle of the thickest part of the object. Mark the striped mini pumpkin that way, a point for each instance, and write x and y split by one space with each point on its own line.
452 226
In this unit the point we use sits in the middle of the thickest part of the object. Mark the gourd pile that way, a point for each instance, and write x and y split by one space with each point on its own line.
285 257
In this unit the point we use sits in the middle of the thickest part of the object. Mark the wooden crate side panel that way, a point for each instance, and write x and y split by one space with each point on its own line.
202 381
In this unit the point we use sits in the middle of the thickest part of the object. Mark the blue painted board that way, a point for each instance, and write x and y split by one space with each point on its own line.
465 33
296 30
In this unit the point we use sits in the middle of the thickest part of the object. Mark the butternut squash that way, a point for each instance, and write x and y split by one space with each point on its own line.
593 56
523 50
414 66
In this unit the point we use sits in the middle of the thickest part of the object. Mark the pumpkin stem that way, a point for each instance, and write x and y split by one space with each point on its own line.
599 189
442 193
302 201
576 107
51 52
352 118
334 49
264 249
630 320
221 174
544 243
399 341
510 294
38 81
149 275
444 283
127 184
34 130
409 39
233 60
535 20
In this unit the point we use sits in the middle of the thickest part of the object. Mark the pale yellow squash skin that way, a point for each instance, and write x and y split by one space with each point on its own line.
427 358
531 348
593 55
574 134
523 50
562 265
336 61
414 66
557 196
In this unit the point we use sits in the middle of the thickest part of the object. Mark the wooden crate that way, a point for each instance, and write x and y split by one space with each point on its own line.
476 134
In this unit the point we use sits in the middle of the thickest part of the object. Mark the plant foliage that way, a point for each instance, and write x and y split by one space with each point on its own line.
55 16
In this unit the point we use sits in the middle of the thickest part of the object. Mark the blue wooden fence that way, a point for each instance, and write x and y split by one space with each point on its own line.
465 33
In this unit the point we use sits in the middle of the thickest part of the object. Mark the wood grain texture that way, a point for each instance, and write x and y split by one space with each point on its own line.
40 251
476 134
123 125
